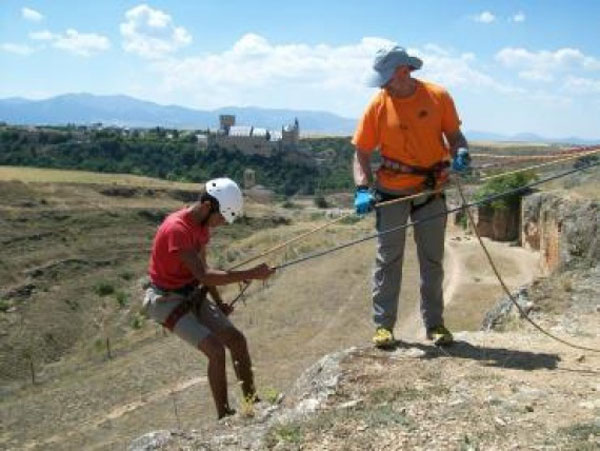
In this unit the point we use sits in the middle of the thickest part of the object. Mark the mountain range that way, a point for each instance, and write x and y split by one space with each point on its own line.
127 111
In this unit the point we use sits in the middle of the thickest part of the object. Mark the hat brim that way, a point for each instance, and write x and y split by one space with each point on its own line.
376 79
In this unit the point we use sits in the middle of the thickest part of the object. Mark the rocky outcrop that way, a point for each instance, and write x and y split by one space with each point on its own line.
500 224
309 394
565 231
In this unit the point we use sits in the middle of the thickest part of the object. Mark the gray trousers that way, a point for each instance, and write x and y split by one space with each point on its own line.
387 275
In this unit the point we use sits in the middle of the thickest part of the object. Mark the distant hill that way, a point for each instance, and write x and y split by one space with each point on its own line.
526 137
128 111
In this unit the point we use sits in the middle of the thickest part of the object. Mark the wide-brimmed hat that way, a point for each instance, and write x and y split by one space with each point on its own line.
387 60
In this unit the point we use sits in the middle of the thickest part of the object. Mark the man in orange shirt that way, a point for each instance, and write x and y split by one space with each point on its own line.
416 128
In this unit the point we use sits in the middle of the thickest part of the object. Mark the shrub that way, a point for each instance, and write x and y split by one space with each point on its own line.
138 321
4 305
271 395
122 299
126 275
503 184
320 202
104 288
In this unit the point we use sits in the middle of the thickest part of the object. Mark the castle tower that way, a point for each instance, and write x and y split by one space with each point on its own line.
226 121
290 135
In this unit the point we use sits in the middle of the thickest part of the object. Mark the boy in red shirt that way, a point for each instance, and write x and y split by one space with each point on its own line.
177 268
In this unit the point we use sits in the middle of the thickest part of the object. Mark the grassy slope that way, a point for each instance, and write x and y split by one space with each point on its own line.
61 239
65 237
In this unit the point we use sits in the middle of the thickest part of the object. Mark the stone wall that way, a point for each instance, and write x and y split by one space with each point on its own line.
500 224
564 230
251 145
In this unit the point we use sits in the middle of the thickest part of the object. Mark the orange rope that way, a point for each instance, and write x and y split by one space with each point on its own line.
405 199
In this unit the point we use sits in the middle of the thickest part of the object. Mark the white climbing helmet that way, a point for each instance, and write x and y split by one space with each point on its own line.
229 195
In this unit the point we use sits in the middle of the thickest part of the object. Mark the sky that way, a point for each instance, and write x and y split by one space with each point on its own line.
511 66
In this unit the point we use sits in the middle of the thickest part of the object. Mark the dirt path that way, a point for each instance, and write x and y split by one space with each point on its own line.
469 281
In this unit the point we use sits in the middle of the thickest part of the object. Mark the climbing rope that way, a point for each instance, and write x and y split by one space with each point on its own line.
399 200
501 280
483 201
285 244
466 206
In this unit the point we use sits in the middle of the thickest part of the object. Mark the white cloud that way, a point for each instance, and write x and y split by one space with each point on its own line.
83 44
578 85
519 17
459 71
44 35
543 65
72 41
19 49
484 17
150 33
31 14
535 75
256 71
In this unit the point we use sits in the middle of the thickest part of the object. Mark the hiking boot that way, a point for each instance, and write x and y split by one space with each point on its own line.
440 335
383 338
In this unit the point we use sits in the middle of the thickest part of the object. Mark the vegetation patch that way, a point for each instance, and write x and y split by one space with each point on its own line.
104 288
583 436
176 158
503 184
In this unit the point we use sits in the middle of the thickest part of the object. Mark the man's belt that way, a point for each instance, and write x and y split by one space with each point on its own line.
432 173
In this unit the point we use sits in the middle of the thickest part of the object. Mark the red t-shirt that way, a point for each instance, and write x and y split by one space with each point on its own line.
178 232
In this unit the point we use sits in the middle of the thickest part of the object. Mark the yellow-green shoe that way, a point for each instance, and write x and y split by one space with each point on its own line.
384 338
440 335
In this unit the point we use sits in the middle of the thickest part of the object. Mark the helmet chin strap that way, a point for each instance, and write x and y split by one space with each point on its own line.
214 208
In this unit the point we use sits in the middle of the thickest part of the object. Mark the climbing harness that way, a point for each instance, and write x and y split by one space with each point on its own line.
433 176
194 297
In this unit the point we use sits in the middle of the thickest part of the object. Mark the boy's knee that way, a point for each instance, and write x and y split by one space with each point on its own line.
234 339
213 348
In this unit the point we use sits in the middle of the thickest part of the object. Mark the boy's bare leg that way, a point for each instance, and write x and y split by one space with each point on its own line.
217 378
236 342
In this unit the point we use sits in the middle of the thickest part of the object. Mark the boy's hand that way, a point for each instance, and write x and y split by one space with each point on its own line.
262 272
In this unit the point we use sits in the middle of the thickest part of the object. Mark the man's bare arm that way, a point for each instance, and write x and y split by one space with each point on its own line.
456 140
361 168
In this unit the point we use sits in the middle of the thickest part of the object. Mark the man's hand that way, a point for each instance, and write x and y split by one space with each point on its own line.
462 160
261 272
363 200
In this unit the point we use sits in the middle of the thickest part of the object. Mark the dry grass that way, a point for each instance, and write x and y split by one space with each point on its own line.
40 175
508 145
70 240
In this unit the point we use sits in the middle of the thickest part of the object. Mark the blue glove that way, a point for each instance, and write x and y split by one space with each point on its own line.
461 161
363 200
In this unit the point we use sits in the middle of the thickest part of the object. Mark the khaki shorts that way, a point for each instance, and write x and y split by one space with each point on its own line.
191 327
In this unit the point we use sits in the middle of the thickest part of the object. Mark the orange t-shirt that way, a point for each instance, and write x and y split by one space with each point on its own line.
408 130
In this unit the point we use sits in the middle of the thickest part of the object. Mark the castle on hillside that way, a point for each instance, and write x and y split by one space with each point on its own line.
254 140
